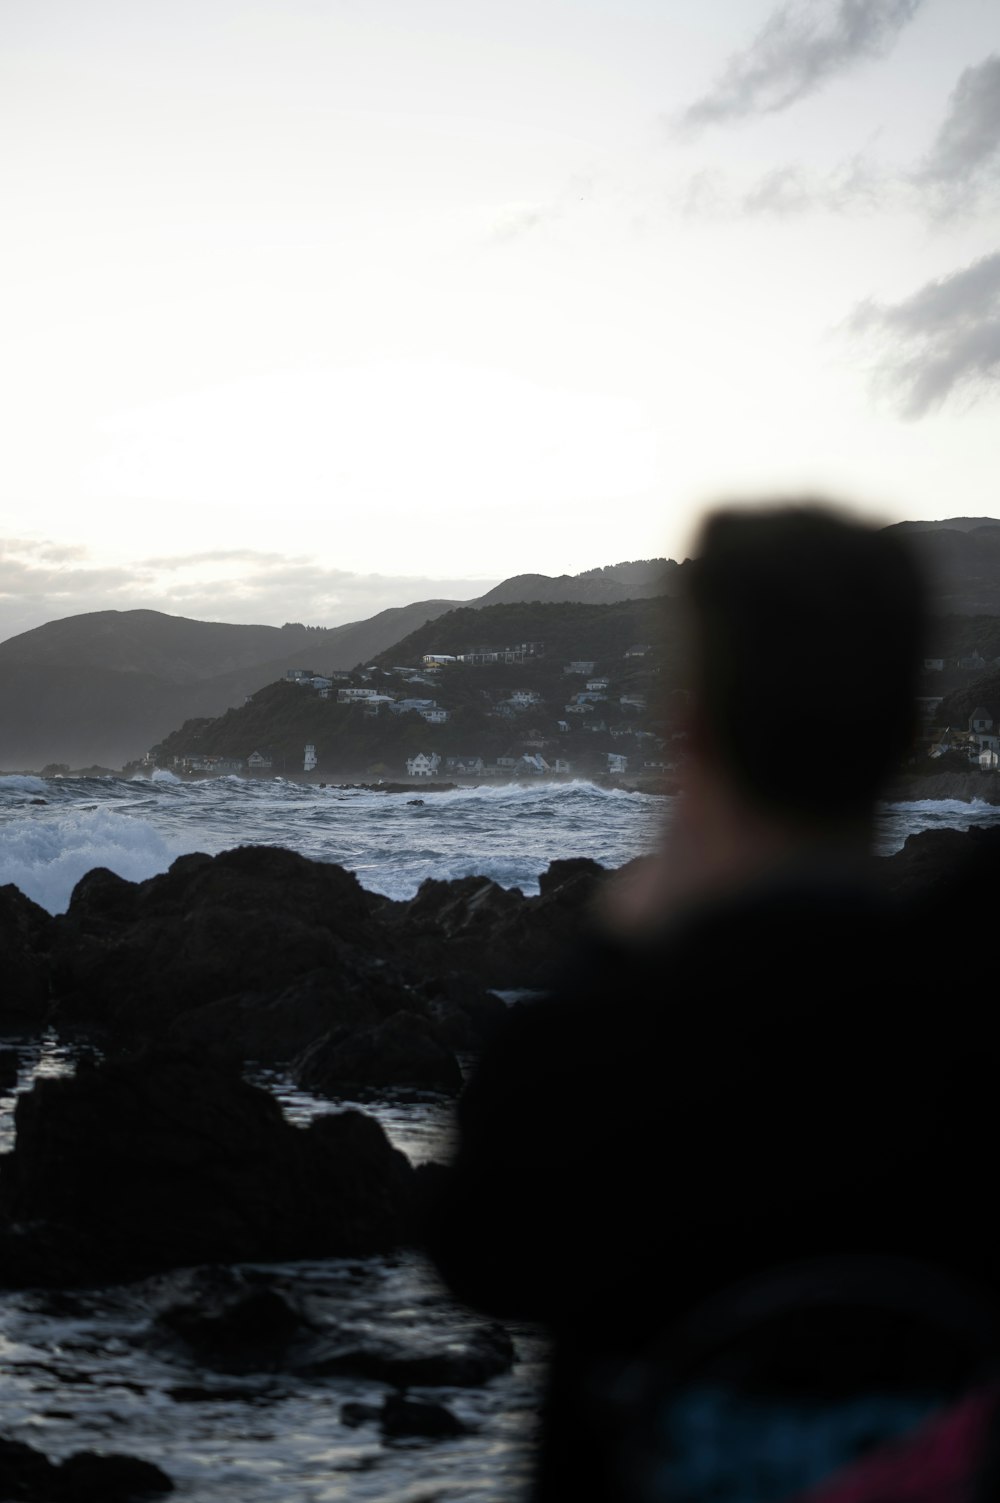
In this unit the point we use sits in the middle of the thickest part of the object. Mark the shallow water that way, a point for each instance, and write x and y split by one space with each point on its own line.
82 1370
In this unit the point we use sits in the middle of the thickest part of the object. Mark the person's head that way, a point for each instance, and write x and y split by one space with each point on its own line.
807 633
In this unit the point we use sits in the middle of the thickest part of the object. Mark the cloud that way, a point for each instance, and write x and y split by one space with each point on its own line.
964 159
856 183
240 585
942 340
802 45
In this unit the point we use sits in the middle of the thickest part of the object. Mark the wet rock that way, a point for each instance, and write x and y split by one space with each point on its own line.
405 1049
85 1477
465 1014
496 934
402 1418
10 1066
26 933
249 1332
137 955
276 1026
171 1159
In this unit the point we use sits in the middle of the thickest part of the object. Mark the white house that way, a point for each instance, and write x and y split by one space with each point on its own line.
259 762
403 706
616 762
309 760
532 763
422 765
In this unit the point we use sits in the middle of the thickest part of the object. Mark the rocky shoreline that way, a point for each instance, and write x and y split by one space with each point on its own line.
969 787
160 1156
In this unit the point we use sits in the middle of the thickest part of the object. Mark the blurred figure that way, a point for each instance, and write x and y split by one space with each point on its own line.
712 1161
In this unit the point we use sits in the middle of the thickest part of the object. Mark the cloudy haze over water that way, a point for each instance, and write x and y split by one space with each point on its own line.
316 307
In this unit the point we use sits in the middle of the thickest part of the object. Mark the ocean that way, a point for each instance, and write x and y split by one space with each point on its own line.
53 830
88 1372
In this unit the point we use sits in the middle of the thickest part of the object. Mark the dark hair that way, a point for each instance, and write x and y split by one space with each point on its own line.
807 639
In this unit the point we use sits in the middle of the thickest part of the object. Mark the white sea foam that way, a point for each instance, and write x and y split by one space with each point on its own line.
46 856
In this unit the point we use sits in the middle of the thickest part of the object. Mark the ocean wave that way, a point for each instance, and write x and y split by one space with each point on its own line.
13 784
46 858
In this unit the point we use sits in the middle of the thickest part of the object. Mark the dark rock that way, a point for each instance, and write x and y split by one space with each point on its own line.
405 1049
579 875
465 1014
403 1418
26 933
353 1414
249 1332
496 934
85 1477
89 1478
250 919
10 1066
275 1026
171 1159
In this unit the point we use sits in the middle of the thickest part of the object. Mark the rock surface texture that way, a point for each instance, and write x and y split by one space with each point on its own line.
169 1159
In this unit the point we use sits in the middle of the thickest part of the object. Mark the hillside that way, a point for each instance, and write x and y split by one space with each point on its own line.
632 646
961 558
104 686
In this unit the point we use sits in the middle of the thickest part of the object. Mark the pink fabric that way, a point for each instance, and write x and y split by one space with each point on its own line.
938 1463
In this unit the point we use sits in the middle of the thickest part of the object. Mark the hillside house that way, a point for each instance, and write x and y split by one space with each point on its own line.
585 668
532 764
423 765
464 764
309 758
404 706
515 654
617 763
980 721
259 761
376 703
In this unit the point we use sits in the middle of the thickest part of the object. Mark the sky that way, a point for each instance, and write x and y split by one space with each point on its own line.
312 307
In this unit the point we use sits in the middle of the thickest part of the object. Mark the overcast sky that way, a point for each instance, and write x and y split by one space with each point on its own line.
317 306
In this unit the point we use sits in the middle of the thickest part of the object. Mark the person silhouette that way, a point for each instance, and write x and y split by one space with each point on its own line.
732 1088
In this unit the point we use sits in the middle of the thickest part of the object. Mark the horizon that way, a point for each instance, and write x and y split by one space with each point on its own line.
315 312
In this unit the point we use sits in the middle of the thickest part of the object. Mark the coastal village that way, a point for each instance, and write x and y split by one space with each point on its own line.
490 711
513 711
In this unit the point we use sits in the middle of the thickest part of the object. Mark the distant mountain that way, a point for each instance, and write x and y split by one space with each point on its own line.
101 688
104 687
961 558
641 580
